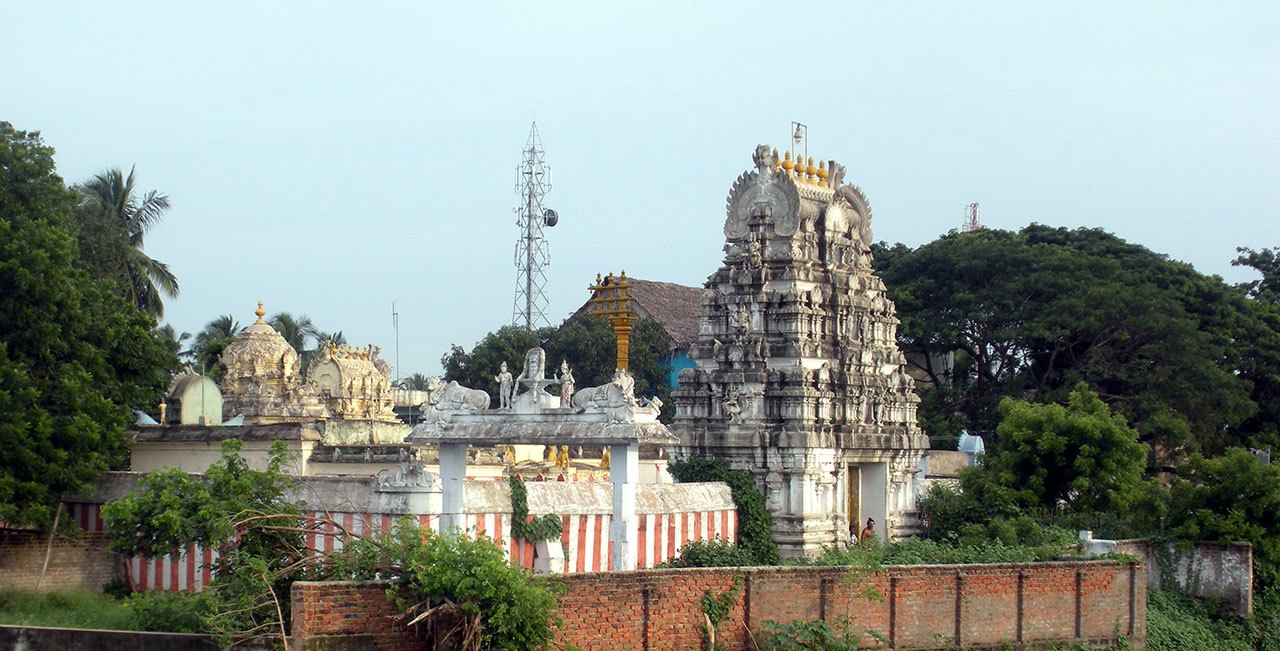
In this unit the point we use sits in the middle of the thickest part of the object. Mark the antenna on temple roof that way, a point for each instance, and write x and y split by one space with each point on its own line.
799 138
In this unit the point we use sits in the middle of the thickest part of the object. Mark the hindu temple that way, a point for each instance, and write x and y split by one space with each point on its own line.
797 376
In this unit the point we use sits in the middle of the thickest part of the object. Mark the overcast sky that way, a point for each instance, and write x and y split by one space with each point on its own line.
334 158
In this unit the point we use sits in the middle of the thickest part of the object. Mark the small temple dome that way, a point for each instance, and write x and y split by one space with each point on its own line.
263 377
259 351
193 399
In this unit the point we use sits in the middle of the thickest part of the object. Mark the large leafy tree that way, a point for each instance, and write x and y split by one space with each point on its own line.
1079 454
74 357
1032 313
587 342
113 219
1267 263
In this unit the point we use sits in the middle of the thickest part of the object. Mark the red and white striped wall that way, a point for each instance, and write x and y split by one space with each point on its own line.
585 540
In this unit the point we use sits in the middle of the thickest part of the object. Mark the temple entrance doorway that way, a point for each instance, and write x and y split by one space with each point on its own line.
853 482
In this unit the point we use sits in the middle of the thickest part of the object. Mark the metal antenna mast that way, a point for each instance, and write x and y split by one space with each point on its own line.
533 252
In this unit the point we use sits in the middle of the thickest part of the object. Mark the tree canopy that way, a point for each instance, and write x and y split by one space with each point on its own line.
1029 314
1079 455
586 341
74 356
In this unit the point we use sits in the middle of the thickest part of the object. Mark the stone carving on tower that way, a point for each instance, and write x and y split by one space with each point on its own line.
353 383
262 379
798 376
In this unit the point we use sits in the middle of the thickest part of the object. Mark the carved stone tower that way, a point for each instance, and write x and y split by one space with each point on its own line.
798 376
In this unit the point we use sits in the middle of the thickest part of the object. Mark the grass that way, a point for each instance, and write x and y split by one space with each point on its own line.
65 610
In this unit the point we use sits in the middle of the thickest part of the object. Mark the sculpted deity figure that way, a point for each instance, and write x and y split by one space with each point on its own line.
505 384
566 383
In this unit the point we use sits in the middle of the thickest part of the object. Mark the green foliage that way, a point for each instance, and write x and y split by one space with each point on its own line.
870 558
1177 622
171 612
1032 313
477 592
172 509
1080 455
1229 499
243 513
716 607
755 523
816 635
212 340
112 222
711 553
586 341
546 527
1267 263
69 609
74 357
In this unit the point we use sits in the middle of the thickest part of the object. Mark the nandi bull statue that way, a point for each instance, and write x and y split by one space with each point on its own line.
445 399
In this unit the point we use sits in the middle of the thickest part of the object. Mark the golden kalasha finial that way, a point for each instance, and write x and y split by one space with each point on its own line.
811 172
777 162
260 312
787 164
822 173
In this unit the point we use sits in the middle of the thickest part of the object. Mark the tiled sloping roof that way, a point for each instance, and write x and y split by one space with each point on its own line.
676 307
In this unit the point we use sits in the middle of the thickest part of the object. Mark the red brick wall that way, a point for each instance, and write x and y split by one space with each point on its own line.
80 563
348 609
920 606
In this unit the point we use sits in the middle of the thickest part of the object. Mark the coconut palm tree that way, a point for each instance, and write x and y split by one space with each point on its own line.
295 330
322 338
174 341
114 221
209 342
417 382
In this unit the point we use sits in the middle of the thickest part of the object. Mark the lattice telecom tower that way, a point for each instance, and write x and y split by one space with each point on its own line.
971 222
533 252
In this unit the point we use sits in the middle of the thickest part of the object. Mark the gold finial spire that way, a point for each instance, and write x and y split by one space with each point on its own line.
822 173
787 164
260 312
811 171
611 300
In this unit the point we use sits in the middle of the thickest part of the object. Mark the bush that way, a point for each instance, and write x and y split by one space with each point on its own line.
711 553
807 635
172 612
477 598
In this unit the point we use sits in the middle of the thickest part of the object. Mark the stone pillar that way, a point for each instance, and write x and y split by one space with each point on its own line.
453 474
624 470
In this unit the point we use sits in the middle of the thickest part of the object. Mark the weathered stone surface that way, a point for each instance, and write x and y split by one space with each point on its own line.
798 377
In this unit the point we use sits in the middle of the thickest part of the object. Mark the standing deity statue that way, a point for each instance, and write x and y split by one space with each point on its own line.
505 386
566 384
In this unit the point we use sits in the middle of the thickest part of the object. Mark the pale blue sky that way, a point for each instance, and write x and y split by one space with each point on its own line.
330 158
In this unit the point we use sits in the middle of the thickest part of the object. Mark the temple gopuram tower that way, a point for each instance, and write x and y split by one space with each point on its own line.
798 376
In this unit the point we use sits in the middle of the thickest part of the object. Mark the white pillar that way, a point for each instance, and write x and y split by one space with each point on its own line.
453 472
624 471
